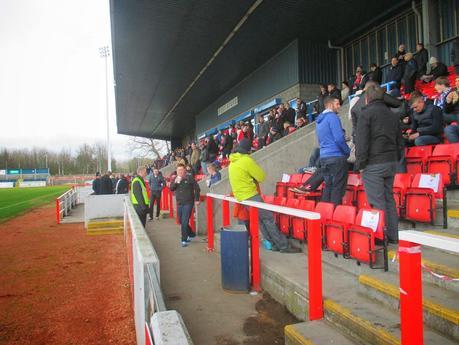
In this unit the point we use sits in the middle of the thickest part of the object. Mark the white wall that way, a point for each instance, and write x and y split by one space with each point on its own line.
103 206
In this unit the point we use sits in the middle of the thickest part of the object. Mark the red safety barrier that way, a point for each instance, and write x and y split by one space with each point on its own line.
411 293
171 204
409 251
210 224
58 212
192 221
316 309
314 245
255 249
225 213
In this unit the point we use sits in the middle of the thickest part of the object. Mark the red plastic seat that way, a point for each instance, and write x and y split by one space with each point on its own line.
306 176
326 210
336 230
443 161
353 183
279 201
420 200
269 199
362 201
401 184
282 187
299 224
284 219
416 158
369 225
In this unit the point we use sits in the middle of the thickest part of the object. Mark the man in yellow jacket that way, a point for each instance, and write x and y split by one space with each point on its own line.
244 176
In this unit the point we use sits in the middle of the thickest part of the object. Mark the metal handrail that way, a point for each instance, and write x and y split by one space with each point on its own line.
65 203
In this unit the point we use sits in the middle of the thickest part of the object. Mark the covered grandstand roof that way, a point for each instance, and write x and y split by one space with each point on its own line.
172 58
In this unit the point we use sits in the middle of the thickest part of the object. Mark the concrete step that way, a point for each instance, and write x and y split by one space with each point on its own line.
314 333
105 231
105 223
441 307
365 320
439 262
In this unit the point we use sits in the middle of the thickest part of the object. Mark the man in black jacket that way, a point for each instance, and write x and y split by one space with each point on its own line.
227 144
356 110
121 185
187 192
139 195
439 69
289 113
421 57
106 184
378 147
395 72
263 130
427 121
96 184
334 92
156 182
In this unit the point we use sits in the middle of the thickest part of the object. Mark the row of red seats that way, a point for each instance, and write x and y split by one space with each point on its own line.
344 231
428 89
415 195
442 159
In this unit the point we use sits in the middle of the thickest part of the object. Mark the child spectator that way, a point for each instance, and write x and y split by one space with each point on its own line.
214 175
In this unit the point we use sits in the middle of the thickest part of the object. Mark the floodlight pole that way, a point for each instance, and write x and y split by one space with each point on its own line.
105 53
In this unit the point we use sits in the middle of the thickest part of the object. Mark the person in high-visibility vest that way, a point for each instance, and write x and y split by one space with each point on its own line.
139 195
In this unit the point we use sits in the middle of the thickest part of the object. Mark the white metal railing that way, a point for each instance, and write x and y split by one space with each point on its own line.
65 203
151 316
411 313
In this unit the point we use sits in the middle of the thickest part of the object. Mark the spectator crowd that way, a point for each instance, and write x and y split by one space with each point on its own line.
418 105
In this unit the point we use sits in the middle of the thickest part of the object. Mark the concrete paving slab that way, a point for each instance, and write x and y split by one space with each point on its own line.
76 215
314 333
190 279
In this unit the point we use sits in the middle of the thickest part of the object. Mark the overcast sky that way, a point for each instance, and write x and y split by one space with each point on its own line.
52 79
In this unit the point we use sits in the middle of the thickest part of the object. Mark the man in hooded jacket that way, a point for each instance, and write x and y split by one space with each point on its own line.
244 175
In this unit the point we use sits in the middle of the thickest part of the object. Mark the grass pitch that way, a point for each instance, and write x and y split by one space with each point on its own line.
14 201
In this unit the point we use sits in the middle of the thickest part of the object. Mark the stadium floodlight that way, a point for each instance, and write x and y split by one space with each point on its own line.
105 53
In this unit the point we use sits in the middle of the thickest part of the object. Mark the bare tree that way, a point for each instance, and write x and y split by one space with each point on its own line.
148 147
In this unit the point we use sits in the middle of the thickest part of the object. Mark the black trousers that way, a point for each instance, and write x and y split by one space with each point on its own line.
155 196
142 215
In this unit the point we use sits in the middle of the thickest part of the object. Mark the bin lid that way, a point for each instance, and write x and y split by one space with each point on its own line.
238 227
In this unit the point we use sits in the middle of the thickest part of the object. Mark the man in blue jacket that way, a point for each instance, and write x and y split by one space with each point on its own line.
334 151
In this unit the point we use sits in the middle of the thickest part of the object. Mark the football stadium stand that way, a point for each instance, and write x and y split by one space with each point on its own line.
206 72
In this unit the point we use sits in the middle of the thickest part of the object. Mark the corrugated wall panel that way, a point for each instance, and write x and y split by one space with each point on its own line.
317 63
276 75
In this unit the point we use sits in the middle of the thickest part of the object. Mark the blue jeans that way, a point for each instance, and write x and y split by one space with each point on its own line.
184 214
452 133
426 140
335 176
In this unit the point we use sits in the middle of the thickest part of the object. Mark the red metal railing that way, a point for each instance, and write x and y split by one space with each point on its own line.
412 328
314 244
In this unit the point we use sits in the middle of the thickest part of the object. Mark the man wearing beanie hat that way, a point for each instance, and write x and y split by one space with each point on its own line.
245 175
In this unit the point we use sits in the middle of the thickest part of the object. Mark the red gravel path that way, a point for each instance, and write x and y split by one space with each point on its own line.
60 286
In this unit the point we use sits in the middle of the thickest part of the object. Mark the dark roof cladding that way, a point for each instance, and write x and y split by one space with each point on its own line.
162 50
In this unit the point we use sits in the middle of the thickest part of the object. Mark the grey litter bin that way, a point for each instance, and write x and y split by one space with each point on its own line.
234 253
